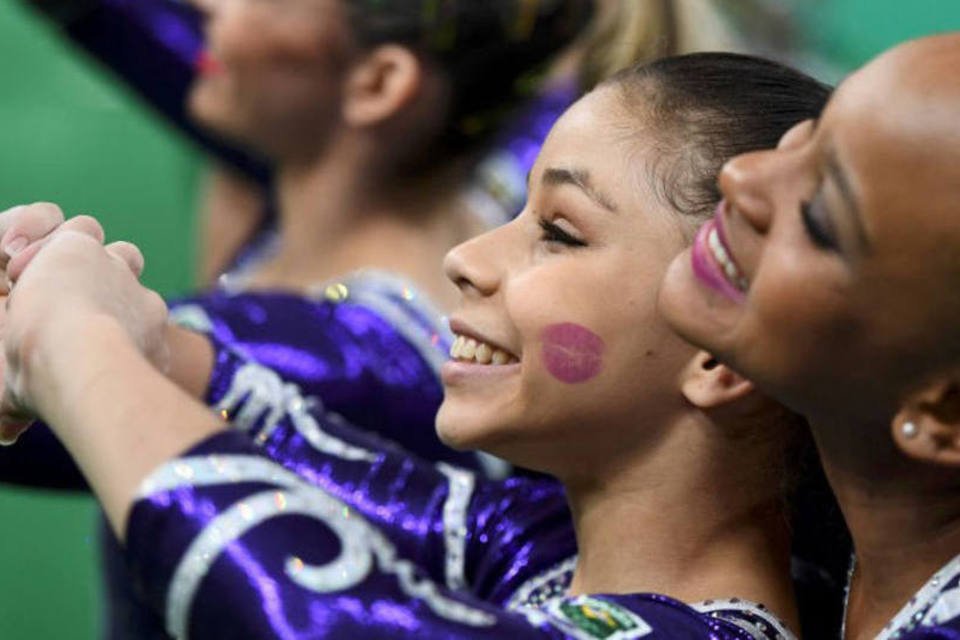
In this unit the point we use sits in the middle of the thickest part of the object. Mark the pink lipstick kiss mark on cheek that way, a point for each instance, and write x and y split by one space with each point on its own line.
571 353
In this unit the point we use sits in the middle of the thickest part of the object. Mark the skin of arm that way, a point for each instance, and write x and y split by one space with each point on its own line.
191 359
115 412
78 328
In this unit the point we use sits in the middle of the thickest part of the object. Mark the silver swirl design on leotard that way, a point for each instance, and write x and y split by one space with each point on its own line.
461 484
361 544
265 399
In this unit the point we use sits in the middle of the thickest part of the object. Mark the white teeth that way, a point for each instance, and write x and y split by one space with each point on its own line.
468 349
725 261
484 354
455 347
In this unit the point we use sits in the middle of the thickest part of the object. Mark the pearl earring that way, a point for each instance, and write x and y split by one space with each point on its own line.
909 430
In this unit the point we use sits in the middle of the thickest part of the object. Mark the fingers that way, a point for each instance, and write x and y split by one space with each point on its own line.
20 226
85 225
129 254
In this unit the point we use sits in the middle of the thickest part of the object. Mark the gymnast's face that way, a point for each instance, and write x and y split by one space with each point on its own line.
271 75
561 359
839 288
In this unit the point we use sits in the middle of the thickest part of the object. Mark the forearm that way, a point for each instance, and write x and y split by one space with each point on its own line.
115 413
39 460
191 360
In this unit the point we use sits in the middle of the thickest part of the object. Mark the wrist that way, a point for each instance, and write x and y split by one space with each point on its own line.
60 358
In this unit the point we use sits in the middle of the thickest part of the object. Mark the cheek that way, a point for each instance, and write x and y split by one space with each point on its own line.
799 324
571 353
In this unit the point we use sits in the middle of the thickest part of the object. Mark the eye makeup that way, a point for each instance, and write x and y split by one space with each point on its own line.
817 224
554 233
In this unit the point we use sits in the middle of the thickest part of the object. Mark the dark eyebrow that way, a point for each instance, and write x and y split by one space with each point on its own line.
581 179
848 195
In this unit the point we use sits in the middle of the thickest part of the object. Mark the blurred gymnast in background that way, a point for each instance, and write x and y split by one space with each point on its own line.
372 115
373 118
157 48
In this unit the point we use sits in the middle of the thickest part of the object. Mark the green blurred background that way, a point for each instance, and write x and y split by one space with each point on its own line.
71 136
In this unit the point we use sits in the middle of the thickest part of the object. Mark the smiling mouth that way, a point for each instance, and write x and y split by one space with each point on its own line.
720 253
470 350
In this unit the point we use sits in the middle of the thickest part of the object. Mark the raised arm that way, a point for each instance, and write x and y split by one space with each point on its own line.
229 542
369 351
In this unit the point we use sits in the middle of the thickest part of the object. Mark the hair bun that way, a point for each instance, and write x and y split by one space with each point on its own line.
485 47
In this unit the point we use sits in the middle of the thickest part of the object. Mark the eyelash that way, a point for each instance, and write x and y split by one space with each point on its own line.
553 233
816 232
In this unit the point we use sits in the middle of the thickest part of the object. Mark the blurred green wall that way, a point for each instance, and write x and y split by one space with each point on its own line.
850 32
68 135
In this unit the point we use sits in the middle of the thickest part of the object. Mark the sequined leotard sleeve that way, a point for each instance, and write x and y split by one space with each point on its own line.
306 527
370 346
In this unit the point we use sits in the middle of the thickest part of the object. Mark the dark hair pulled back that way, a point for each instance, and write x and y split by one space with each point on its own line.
697 111
486 48
702 109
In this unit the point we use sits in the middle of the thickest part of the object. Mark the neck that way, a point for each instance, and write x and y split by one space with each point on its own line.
904 518
692 529
335 218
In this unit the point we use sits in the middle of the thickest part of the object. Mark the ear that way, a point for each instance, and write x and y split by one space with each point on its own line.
707 384
381 84
927 427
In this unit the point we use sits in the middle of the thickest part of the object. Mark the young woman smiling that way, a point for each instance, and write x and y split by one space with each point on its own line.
829 277
373 125
672 465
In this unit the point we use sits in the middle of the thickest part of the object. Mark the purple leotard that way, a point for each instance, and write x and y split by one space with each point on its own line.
297 525
932 612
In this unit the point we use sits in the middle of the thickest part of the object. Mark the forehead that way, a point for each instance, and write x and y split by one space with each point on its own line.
588 122
597 135
895 130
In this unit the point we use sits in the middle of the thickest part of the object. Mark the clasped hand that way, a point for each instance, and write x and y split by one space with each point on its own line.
59 280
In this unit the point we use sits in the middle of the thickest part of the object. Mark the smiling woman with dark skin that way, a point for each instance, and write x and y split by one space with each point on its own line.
829 276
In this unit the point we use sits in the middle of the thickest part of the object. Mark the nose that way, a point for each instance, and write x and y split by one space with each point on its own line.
744 183
477 265
752 182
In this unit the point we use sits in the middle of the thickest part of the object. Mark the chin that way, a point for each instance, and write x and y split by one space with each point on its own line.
679 303
671 302
467 431
455 431
207 110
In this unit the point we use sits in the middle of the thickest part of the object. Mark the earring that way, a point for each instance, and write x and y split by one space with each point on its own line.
909 430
